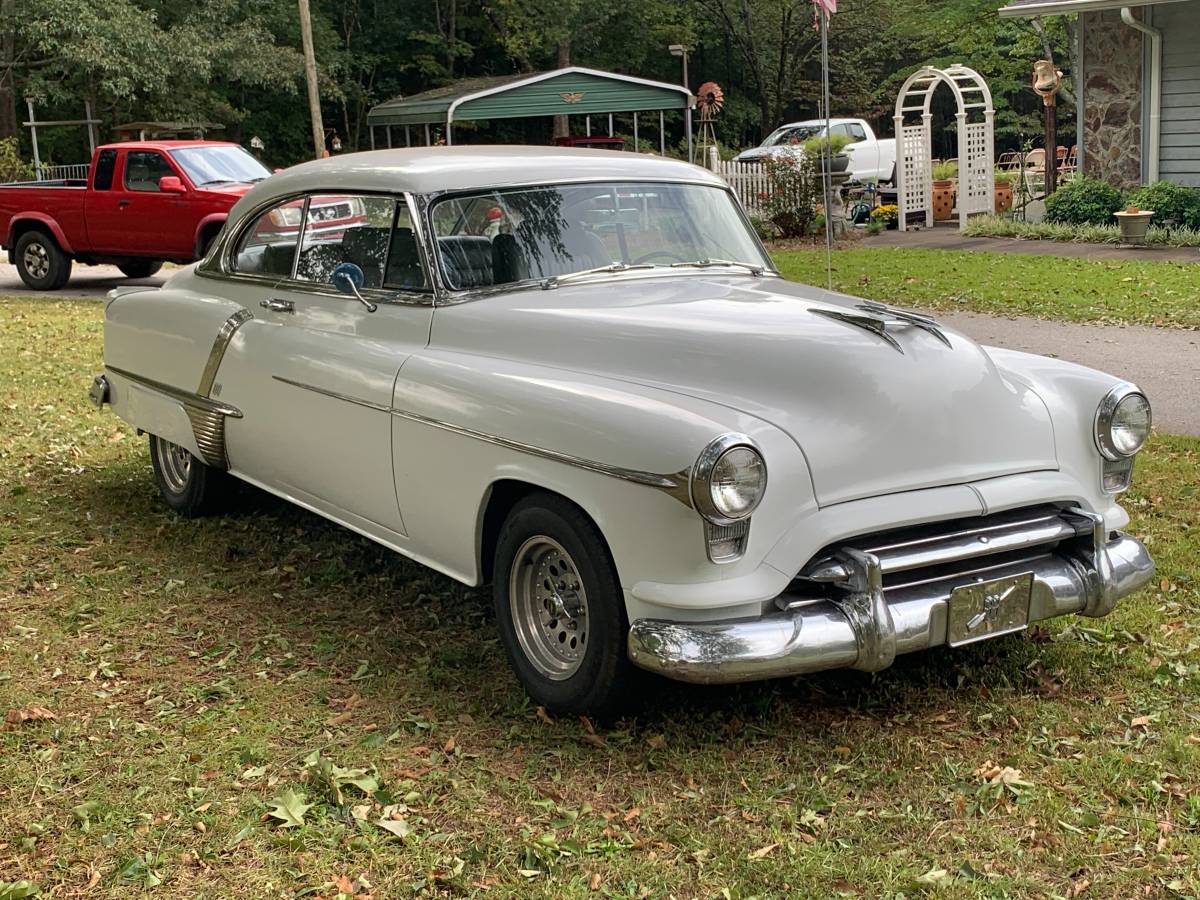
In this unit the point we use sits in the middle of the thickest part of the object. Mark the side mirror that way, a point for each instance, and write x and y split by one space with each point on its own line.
348 278
170 184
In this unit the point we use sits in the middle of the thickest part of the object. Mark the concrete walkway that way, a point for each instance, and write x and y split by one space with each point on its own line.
91 282
943 237
1163 362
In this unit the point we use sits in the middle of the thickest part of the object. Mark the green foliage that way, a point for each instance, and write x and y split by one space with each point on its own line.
1084 201
12 166
945 171
832 145
1169 201
793 191
1000 227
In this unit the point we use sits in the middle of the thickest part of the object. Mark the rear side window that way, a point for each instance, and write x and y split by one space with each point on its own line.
268 247
374 233
106 163
143 168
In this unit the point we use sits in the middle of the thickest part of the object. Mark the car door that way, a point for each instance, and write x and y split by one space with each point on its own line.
102 212
314 370
864 154
151 222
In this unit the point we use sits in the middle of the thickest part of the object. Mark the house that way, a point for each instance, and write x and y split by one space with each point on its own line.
1137 83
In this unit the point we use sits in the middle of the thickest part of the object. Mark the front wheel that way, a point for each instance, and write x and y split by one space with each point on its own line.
40 262
189 486
139 268
560 608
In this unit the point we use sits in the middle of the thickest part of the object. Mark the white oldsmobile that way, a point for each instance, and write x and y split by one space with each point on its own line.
577 375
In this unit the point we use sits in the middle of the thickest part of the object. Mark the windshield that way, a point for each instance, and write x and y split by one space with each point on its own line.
507 236
219 165
792 134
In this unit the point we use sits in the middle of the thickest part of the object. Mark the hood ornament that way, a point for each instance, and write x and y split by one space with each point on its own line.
881 317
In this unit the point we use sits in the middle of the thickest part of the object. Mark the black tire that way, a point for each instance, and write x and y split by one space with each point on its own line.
190 487
600 684
139 268
40 261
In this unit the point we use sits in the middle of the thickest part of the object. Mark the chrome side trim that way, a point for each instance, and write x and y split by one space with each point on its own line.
206 415
820 635
220 344
675 485
325 392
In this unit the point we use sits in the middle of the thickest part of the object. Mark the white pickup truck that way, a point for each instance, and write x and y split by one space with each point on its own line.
870 157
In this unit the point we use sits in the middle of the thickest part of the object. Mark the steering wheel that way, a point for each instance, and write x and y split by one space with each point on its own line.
646 257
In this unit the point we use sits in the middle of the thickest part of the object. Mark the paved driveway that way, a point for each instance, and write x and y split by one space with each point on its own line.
86 281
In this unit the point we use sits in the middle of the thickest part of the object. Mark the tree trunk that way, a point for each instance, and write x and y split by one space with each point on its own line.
8 89
310 76
562 127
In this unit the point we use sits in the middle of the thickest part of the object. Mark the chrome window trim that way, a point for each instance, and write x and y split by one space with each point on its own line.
1102 423
698 488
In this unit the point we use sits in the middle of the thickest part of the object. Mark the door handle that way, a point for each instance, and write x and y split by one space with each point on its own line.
122 203
277 305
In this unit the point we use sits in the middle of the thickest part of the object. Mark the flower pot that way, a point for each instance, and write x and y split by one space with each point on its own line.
1004 197
1134 225
943 200
837 165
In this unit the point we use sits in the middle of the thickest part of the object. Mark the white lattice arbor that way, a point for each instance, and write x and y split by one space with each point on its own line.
914 143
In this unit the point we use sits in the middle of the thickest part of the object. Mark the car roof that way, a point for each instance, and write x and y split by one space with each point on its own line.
427 170
164 145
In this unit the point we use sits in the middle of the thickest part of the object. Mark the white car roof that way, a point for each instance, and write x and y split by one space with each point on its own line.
426 170
818 122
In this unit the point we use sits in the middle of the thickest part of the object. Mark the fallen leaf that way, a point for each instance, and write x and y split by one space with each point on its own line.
29 714
18 890
289 809
448 749
657 742
594 739
399 827
1139 722
761 851
544 716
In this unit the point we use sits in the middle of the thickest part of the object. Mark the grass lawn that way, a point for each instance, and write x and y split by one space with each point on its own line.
1074 290
264 705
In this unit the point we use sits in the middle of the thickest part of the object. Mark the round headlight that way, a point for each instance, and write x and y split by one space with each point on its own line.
729 480
1122 422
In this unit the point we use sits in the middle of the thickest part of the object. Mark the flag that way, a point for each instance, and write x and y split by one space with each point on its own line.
829 7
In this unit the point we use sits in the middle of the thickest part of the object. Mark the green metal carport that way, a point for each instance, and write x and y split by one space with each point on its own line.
573 91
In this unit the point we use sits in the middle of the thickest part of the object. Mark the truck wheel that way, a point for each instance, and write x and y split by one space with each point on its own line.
189 486
560 608
139 268
40 262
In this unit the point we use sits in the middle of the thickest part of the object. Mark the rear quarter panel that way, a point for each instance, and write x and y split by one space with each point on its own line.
58 210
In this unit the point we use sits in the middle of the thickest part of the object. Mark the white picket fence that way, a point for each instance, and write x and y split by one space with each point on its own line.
61 173
748 180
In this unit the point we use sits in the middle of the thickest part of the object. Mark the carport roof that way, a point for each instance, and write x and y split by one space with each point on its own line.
1033 8
569 91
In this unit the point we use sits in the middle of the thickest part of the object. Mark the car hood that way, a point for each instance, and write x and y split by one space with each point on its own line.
871 418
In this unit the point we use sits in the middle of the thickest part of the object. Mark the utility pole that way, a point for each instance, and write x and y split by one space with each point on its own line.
310 76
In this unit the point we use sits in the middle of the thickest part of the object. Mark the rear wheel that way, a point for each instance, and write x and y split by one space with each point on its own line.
189 486
40 262
139 268
560 608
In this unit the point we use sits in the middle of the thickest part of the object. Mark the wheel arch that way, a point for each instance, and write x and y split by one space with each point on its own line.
32 220
210 226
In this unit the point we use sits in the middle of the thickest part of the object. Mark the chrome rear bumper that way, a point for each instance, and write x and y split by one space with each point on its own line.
867 626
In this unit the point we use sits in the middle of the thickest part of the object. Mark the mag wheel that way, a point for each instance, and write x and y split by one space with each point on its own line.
40 262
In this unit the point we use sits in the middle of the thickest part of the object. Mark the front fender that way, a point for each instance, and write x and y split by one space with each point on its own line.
205 224
464 423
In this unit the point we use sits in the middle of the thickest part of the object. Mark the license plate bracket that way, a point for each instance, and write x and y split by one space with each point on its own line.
989 609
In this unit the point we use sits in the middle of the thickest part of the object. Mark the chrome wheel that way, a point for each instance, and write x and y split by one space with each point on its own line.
174 465
549 607
36 260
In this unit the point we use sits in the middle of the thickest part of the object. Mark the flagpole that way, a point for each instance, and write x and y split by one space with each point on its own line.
823 14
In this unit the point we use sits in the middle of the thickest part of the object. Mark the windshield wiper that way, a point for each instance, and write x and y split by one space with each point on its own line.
555 280
752 268
219 181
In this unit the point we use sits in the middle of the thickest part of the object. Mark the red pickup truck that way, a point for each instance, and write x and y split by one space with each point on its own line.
143 202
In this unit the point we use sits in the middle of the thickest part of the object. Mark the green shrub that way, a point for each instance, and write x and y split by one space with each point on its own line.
1084 201
1169 201
12 167
793 191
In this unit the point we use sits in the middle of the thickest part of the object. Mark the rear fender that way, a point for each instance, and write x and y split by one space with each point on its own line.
20 223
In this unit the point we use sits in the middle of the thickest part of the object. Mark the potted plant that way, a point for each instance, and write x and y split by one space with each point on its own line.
821 147
887 215
944 174
1004 190
1134 224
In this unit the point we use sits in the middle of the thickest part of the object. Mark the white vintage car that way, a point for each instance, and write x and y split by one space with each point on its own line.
577 374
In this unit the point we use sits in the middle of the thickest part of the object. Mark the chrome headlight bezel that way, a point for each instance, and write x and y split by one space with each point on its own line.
1102 425
700 483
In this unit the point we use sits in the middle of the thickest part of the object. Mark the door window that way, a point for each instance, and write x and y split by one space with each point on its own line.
106 162
268 246
143 168
374 233
857 132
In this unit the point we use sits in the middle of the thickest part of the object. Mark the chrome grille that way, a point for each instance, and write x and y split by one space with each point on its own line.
209 428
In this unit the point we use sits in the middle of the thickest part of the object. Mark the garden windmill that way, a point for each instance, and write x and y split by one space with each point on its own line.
709 100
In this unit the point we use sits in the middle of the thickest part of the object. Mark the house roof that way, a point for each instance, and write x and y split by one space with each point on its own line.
1033 8
572 90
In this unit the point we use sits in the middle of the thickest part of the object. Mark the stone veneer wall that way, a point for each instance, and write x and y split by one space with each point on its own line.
1112 112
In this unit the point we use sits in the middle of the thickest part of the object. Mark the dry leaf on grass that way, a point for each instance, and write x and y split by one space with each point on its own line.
761 851
28 714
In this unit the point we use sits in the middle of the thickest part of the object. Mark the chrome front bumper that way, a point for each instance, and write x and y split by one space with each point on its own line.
865 629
